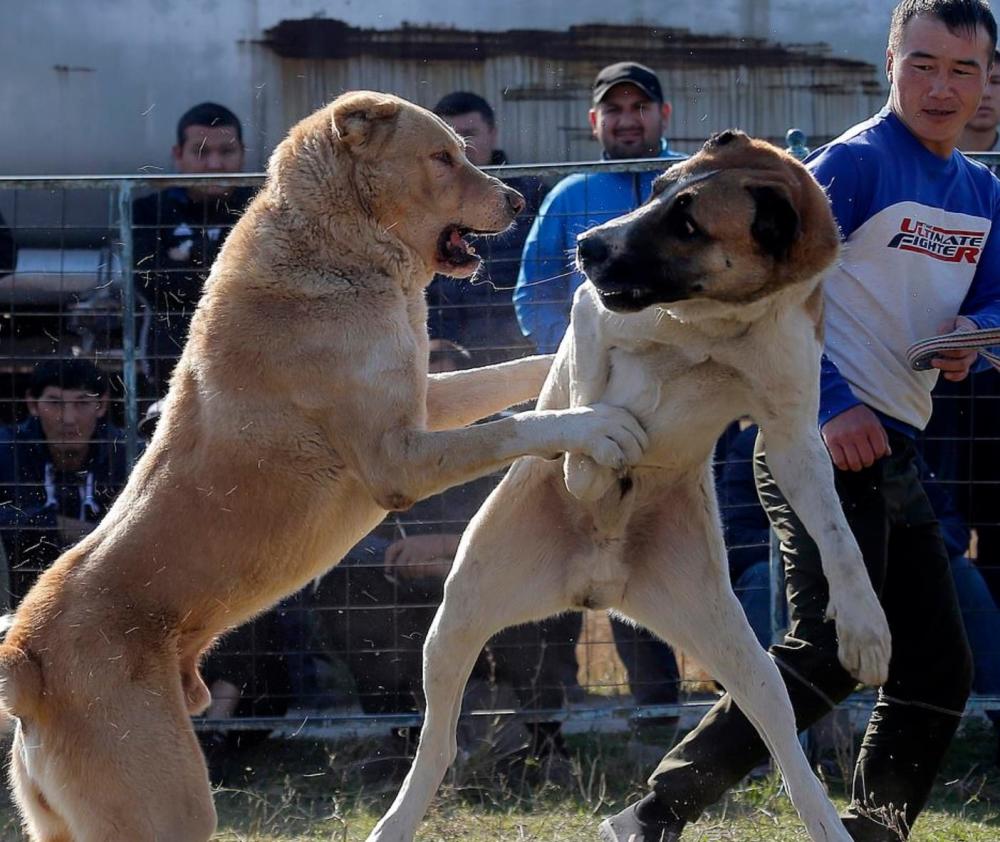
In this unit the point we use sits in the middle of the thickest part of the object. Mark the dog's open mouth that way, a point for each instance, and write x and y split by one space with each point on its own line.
453 251
625 299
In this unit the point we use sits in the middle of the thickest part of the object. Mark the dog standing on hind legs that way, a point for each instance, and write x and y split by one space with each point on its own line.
704 305
300 412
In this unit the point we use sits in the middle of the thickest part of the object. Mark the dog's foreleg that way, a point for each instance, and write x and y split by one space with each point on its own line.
401 466
802 469
457 398
686 599
588 378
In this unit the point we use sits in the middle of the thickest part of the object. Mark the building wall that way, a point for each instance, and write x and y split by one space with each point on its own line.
542 103
98 86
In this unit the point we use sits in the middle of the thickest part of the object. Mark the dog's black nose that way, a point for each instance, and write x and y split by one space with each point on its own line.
515 201
591 250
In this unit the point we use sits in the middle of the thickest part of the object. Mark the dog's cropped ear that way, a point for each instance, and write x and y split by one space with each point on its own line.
357 116
729 136
776 223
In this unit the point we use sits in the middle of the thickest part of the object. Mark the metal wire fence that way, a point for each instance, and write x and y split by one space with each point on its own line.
99 277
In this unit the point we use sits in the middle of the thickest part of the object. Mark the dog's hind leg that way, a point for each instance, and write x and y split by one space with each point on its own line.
683 595
123 769
41 822
506 573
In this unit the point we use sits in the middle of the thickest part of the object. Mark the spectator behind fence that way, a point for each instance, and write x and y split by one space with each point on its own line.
60 470
628 118
980 133
378 604
746 530
478 313
7 251
898 188
962 442
179 231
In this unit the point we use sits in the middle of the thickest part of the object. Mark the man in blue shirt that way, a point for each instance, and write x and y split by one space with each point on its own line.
920 257
628 118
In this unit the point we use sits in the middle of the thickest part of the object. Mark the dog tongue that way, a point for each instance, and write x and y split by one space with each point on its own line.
456 240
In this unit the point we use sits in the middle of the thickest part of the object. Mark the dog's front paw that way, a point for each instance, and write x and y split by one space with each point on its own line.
864 641
609 435
585 479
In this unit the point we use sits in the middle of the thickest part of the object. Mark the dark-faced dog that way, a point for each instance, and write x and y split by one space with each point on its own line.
704 305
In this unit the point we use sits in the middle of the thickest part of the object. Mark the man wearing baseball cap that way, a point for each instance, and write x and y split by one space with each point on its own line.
628 118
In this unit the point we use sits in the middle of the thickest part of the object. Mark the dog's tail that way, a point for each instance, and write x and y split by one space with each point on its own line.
20 676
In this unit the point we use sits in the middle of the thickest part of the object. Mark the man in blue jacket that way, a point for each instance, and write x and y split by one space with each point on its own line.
628 118
921 256
60 470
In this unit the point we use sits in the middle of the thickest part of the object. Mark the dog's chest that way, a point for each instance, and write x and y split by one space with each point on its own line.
683 397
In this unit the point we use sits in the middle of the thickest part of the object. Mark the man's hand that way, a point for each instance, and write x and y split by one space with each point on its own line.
421 555
855 438
955 365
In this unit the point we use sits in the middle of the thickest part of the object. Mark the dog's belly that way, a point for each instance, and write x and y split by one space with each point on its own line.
599 575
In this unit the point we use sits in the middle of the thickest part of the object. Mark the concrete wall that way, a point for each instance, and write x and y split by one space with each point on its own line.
98 86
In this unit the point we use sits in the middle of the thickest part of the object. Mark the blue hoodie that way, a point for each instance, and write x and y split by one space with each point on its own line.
548 279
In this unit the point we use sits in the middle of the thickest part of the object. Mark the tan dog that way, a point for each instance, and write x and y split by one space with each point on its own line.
300 411
703 305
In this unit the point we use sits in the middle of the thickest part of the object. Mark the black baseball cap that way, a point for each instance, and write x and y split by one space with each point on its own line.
627 71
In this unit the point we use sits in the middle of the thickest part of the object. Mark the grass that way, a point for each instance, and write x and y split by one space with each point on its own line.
301 790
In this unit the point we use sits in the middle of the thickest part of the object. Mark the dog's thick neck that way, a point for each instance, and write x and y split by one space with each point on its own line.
726 319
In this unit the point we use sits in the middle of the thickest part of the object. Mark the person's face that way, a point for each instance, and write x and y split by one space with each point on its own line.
480 136
68 416
937 78
628 124
988 114
209 149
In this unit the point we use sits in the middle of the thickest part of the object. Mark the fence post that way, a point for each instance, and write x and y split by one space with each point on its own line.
128 321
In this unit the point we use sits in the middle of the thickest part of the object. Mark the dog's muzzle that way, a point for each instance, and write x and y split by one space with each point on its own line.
624 284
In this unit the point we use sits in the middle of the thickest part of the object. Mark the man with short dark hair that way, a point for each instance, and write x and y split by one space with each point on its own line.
628 119
478 313
60 470
980 133
921 225
472 117
179 231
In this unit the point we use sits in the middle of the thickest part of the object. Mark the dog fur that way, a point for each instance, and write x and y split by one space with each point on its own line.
301 410
702 306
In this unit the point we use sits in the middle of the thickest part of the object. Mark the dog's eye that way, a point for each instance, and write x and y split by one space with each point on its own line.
444 157
684 227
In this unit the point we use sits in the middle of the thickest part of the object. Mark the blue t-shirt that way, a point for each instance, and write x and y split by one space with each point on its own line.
918 248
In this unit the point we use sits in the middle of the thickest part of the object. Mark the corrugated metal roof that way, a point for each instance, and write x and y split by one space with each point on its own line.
539 81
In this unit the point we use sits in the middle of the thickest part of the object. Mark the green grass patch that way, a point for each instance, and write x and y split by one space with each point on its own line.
303 790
